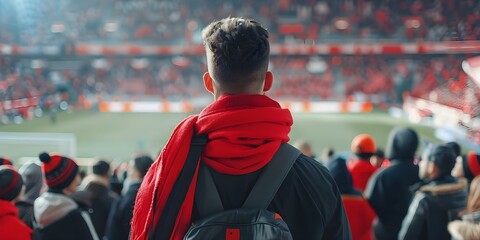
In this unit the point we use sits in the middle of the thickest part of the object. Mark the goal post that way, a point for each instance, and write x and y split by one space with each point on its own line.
29 144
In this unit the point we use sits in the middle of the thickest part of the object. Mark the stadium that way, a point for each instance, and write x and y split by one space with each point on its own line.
112 79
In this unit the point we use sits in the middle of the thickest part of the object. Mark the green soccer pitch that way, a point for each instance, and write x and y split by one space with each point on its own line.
117 136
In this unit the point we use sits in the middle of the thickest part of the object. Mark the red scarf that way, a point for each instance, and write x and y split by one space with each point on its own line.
244 132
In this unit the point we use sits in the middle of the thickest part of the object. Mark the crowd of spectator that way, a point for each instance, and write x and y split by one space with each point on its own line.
37 22
428 185
383 80
380 79
58 203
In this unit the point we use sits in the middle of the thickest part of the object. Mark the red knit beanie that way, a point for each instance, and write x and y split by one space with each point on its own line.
11 183
59 171
5 161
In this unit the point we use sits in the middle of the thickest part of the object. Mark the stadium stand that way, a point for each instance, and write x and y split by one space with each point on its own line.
88 52
178 77
167 22
327 56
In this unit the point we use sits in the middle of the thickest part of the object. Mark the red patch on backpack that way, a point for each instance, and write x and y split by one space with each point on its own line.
232 234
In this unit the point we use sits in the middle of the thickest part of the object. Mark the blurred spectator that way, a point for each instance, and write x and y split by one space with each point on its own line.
467 166
378 159
327 154
305 147
11 190
360 214
101 197
57 215
33 178
363 146
469 227
82 174
115 183
438 202
118 226
390 186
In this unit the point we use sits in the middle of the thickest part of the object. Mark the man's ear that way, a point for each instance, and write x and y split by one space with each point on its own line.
268 81
208 82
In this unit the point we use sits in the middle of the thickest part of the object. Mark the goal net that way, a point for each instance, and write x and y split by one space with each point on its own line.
452 105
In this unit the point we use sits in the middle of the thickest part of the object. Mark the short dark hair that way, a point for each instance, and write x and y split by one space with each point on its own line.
443 157
455 147
101 168
240 52
330 152
379 153
142 164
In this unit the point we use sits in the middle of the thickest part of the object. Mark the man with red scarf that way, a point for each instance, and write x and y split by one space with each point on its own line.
245 128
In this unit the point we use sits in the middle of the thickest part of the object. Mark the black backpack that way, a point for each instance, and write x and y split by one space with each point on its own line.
253 220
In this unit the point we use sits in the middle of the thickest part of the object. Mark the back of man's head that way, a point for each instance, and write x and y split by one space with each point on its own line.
237 52
444 159
101 168
142 164
455 147
338 169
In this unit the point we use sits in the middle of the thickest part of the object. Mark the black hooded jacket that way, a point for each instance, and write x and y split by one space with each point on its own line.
388 190
343 178
432 208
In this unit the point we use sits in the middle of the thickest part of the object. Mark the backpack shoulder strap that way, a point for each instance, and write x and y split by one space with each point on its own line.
207 198
272 177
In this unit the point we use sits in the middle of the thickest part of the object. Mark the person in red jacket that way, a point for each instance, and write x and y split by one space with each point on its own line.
11 185
359 213
363 146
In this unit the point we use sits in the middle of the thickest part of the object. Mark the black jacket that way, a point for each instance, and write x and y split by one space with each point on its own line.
432 208
118 226
389 195
308 200
339 171
101 199
58 217
388 189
